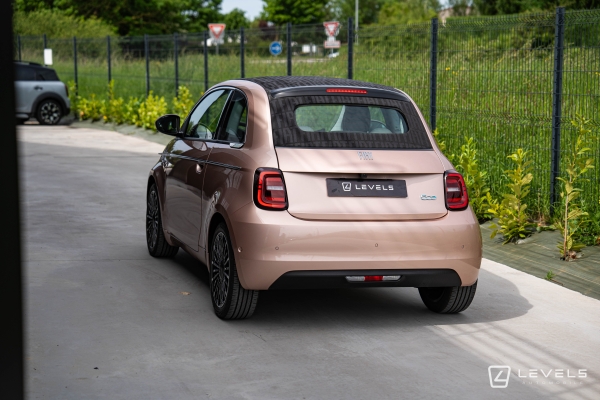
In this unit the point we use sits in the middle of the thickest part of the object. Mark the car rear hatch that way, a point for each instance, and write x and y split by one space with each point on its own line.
356 157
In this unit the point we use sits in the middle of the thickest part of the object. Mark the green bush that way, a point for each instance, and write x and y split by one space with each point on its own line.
578 163
57 24
475 179
183 103
513 222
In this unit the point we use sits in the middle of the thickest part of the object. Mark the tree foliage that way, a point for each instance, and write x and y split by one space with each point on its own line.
56 23
408 11
496 7
295 11
235 19
136 17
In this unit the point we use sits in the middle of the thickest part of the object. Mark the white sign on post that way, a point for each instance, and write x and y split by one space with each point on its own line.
217 33
332 28
47 56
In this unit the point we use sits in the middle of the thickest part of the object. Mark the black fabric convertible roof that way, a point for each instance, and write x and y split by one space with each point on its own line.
270 83
286 132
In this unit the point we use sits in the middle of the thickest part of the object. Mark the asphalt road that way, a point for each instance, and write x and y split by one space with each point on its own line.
106 320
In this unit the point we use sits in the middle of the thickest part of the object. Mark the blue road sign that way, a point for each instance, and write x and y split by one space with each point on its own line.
275 48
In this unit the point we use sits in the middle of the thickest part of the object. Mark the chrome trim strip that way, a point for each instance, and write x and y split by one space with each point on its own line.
199 161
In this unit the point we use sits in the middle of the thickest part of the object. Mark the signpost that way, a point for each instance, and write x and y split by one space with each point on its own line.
275 48
332 28
217 33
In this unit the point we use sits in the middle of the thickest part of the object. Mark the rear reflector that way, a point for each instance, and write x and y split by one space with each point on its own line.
351 91
269 189
373 278
457 197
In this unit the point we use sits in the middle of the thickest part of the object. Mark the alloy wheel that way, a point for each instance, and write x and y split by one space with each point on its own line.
152 219
50 112
220 269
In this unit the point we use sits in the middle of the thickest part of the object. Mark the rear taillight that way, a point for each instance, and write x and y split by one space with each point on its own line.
269 189
456 192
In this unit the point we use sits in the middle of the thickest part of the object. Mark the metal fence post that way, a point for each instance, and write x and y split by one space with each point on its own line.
75 78
205 61
559 37
108 58
45 41
433 74
19 46
350 49
146 51
243 72
289 48
176 58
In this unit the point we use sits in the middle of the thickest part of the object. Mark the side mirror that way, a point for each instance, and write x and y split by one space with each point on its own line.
168 124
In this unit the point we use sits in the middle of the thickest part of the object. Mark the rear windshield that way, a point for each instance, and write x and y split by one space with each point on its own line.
348 118
347 122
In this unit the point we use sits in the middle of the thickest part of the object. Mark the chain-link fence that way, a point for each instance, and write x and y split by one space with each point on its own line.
509 82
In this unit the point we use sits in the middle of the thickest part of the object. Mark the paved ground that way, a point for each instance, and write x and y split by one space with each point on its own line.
105 320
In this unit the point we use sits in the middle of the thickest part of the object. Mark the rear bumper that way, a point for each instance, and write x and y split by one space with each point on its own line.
337 279
273 248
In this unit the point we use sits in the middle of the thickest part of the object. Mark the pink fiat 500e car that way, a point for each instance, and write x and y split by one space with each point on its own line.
306 182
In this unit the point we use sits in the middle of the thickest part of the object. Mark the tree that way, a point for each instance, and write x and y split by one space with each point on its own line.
297 12
136 17
495 7
368 10
235 19
56 23
407 11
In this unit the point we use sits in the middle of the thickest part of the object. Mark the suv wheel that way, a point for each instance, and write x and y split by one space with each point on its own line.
448 300
49 112
155 236
230 300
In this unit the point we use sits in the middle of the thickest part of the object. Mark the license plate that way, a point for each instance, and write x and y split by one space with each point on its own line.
337 187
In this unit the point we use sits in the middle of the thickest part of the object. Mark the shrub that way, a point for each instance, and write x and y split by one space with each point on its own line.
513 222
149 111
183 103
56 23
476 181
578 163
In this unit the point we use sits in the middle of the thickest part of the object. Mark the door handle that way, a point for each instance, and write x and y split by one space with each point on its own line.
38 88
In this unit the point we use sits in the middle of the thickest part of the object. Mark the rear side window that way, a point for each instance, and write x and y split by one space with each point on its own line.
347 122
46 75
350 118
24 73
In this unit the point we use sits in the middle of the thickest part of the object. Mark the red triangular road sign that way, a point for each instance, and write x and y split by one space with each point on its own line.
331 27
216 30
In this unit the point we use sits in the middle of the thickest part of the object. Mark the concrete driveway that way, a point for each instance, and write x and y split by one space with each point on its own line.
106 320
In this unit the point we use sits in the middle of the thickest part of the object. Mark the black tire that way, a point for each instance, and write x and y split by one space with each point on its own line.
155 236
49 112
448 300
230 300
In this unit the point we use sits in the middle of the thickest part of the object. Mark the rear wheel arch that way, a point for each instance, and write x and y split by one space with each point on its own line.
46 96
216 219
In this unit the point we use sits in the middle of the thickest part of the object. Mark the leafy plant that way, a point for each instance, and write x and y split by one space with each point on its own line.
513 222
149 111
476 181
578 163
550 276
90 108
114 110
183 103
